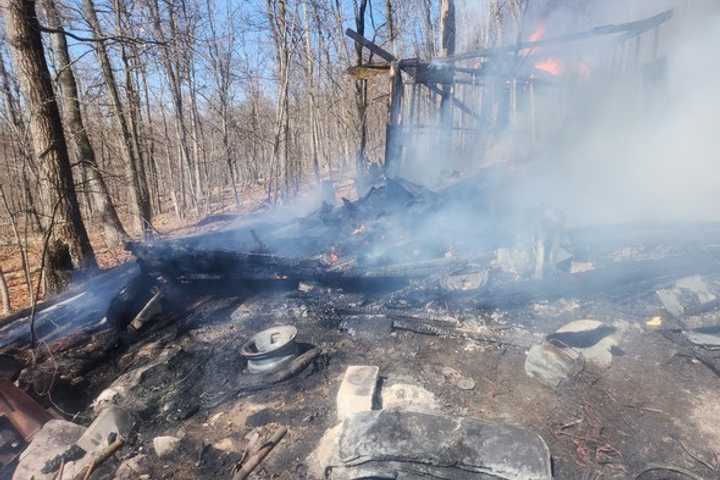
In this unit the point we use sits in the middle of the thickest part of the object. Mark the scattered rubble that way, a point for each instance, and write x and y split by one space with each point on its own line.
451 326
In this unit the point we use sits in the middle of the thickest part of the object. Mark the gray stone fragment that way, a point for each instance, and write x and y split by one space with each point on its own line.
165 446
592 339
687 292
550 365
112 420
133 468
706 338
356 390
52 440
408 445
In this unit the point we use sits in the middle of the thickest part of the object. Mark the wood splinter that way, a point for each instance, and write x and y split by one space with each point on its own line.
100 458
259 455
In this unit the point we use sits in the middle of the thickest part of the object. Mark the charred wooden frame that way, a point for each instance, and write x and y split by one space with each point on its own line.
443 77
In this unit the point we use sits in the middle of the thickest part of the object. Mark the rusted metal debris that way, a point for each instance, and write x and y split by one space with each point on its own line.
20 418
270 349
24 413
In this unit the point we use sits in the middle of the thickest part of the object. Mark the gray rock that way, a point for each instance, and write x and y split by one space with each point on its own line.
709 338
686 293
356 390
410 445
52 440
592 339
165 446
551 365
112 420
133 468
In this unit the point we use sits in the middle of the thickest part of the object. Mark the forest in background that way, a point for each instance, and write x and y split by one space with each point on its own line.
119 113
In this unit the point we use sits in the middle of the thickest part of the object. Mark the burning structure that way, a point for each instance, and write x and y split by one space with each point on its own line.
455 332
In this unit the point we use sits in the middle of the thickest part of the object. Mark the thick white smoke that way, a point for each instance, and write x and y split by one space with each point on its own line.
634 144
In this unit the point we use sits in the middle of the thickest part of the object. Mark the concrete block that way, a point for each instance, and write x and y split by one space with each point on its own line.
356 391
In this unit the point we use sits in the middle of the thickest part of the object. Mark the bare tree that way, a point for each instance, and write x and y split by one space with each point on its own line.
361 91
276 11
103 207
4 295
24 37
137 192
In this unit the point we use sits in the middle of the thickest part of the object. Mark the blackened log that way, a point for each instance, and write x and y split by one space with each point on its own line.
181 262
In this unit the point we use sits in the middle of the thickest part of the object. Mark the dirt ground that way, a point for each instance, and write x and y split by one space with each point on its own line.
652 406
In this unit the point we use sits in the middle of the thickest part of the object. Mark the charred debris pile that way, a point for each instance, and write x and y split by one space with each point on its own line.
459 289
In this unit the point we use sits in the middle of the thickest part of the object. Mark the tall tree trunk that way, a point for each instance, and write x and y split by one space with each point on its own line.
361 94
447 49
24 37
21 135
280 169
390 15
312 100
5 306
429 29
139 204
104 211
171 65
23 33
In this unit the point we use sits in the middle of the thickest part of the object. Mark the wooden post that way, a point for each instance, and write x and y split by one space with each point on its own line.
447 37
393 144
656 43
533 126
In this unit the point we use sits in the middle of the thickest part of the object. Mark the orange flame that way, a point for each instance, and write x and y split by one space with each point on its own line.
552 66
538 34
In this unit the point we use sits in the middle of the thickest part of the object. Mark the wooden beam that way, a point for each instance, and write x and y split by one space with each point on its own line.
390 58
367 71
372 46
632 29
393 145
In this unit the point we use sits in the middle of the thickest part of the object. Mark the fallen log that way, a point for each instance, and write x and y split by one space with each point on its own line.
181 262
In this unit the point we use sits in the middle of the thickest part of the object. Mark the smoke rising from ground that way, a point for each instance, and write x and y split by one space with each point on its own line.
645 150
638 145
